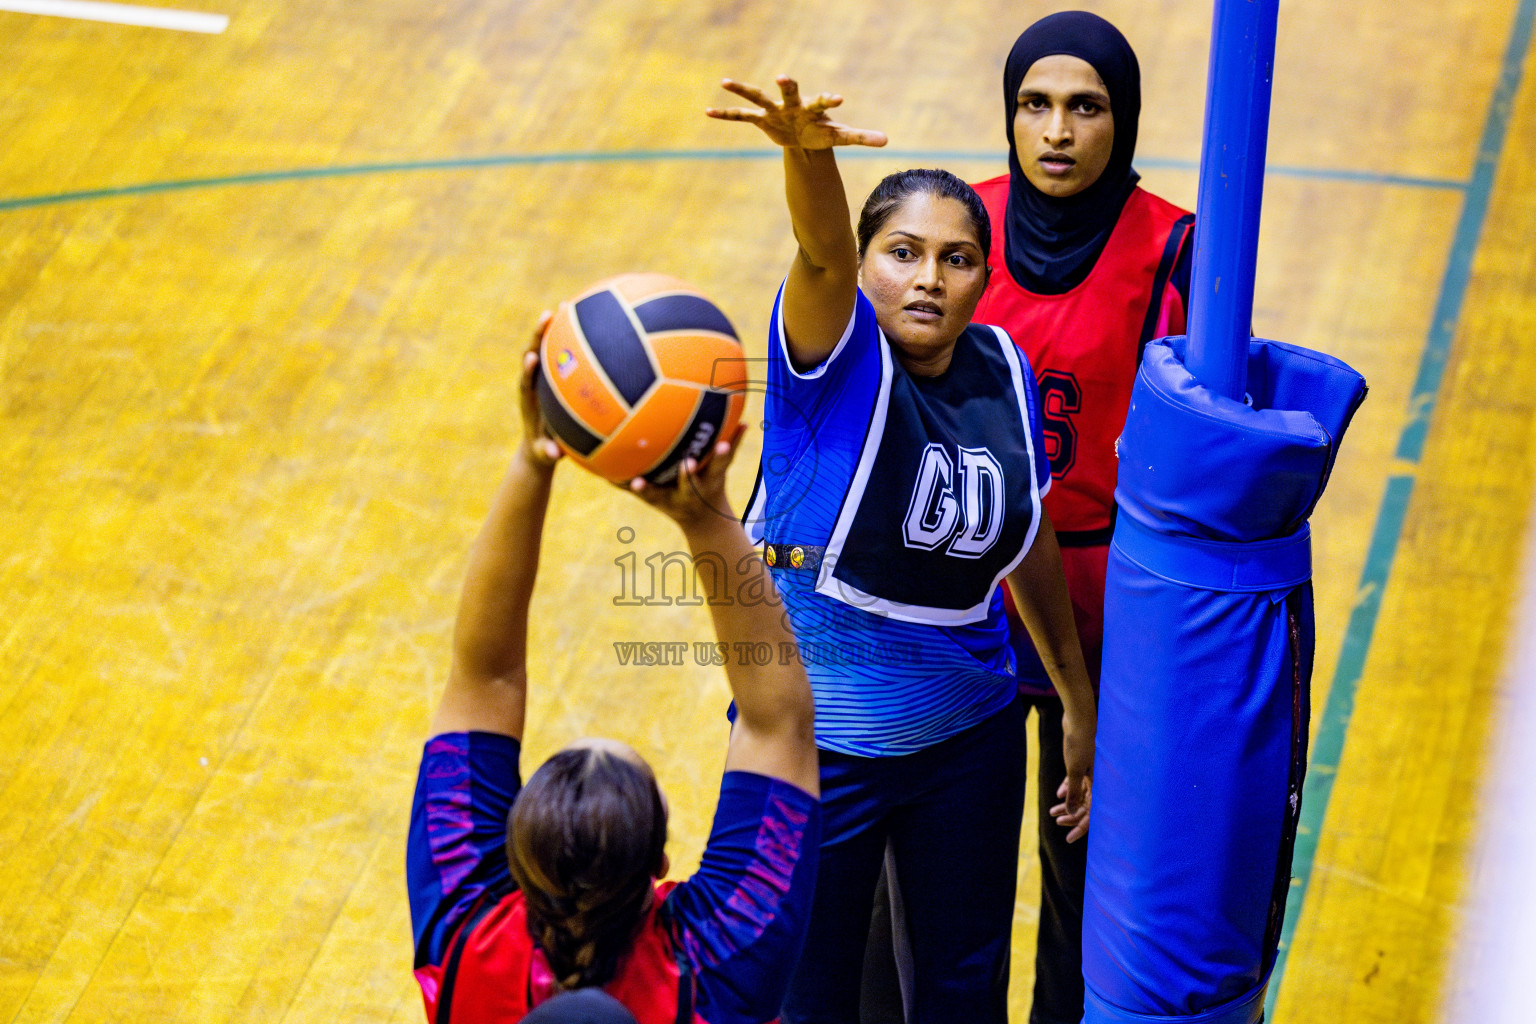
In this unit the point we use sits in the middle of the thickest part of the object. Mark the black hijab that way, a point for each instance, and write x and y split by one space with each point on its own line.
1051 244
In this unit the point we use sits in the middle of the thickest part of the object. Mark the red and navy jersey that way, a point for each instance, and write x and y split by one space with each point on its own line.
1085 346
716 949
493 971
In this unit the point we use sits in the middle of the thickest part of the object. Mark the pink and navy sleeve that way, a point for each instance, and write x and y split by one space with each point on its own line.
456 850
740 921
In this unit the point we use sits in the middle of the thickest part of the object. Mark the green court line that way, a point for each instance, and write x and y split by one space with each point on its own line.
644 156
1333 727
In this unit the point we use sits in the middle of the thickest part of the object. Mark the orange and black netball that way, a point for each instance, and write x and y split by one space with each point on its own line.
639 372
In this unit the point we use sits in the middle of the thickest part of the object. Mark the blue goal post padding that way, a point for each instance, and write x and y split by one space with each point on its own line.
1208 638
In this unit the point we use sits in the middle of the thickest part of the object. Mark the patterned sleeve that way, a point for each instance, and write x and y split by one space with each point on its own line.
740 921
457 846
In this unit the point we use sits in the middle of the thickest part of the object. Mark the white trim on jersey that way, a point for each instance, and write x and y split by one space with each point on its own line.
757 509
825 584
783 339
1036 492
1024 405
852 596
1016 370
856 598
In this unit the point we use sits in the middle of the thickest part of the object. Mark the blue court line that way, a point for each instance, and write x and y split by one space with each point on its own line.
655 155
1333 727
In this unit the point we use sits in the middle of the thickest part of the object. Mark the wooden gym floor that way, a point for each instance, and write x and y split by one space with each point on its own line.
262 298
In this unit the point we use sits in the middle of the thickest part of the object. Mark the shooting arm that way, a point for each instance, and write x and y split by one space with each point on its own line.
775 732
487 684
488 681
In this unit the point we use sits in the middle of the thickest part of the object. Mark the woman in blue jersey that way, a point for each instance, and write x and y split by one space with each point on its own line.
523 892
1087 267
901 478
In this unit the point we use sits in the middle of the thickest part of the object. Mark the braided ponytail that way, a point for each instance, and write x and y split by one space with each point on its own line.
586 837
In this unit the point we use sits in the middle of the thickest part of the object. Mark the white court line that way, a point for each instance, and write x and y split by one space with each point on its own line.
121 14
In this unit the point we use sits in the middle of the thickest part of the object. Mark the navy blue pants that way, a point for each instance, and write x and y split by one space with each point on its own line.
951 814
1058 995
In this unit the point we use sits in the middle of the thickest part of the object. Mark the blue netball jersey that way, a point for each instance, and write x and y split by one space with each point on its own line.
891 507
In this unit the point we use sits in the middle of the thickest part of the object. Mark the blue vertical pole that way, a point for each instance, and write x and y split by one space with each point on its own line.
1231 192
1208 627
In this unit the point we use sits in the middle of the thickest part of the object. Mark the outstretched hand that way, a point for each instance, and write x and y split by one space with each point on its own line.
698 494
539 447
794 124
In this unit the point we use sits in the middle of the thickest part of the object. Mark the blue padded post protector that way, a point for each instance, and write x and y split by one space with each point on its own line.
1208 637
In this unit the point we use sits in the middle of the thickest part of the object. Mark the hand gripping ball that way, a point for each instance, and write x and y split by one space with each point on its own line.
637 373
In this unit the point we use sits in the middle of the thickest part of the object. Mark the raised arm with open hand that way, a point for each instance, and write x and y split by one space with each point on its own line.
793 122
819 294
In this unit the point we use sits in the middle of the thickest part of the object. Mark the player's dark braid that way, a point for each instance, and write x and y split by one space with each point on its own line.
894 189
584 938
585 839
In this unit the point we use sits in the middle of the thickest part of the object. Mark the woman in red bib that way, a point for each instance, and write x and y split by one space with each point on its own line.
522 893
1087 267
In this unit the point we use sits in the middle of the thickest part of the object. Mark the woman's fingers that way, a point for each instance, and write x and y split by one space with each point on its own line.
539 443
699 483
1077 792
794 122
705 476
531 354
1073 793
1072 817
734 114
685 488
860 137
673 500
1065 816
724 452
530 376
748 92
790 90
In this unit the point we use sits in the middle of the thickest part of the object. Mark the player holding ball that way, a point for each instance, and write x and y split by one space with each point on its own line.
521 892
